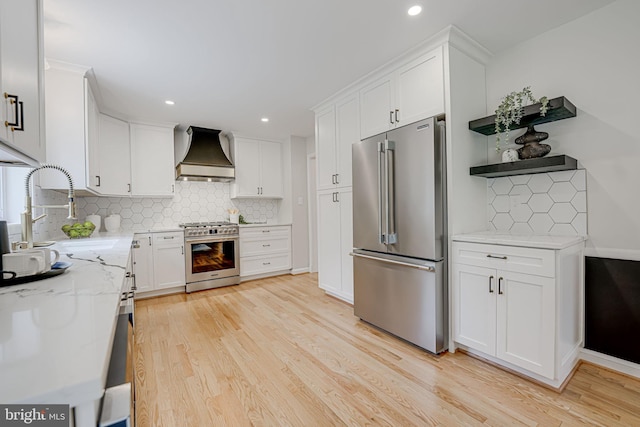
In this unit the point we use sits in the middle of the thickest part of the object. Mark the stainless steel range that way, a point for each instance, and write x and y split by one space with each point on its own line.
212 255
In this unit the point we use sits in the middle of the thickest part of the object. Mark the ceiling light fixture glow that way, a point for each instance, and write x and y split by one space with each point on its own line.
415 10
168 102
264 119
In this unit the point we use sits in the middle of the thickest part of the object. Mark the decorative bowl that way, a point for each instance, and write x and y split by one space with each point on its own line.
79 230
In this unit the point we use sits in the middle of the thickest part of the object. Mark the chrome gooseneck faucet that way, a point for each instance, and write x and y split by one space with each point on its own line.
26 217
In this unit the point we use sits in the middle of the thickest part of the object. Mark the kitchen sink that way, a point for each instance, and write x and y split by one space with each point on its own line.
87 245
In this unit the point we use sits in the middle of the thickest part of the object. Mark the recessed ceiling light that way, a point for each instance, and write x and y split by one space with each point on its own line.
415 10
168 102
265 119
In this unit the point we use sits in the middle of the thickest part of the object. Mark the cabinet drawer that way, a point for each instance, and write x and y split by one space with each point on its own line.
264 247
264 264
171 238
540 262
260 233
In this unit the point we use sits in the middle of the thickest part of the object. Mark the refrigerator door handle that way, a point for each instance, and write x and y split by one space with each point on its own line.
392 237
404 264
381 232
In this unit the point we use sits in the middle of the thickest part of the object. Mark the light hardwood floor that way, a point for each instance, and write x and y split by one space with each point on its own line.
279 352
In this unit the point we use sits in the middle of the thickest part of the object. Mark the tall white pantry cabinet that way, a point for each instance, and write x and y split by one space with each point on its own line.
444 76
336 129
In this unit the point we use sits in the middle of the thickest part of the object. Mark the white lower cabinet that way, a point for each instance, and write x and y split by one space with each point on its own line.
335 242
264 250
519 307
159 262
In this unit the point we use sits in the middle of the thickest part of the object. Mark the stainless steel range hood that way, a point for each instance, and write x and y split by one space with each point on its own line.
205 159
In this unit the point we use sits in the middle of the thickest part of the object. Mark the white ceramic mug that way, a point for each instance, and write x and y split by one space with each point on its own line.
51 256
25 263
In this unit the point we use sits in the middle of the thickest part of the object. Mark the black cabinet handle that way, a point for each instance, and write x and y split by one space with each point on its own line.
496 257
18 113
397 120
391 117
500 286
490 284
97 180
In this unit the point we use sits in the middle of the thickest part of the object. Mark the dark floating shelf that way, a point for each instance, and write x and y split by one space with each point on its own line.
559 108
523 167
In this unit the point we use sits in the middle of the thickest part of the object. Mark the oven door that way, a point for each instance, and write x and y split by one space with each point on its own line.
212 257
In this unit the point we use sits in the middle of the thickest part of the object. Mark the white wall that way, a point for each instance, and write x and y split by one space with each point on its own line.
594 62
312 208
300 203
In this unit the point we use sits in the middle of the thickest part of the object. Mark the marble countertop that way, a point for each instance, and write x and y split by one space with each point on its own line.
56 334
528 241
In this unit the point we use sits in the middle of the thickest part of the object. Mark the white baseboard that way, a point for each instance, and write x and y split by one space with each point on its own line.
619 365
263 275
160 292
299 271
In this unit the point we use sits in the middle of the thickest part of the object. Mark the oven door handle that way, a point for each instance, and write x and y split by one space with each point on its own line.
211 239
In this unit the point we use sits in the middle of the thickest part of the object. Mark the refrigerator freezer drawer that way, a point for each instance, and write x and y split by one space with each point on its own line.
403 299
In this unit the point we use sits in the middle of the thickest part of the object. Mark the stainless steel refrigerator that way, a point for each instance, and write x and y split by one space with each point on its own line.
399 233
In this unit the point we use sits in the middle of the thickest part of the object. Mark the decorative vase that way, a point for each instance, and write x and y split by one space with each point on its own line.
531 144
509 155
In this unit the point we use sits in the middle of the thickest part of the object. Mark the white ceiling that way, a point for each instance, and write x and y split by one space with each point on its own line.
228 63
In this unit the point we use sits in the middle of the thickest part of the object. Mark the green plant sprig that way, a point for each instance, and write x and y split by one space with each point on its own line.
511 110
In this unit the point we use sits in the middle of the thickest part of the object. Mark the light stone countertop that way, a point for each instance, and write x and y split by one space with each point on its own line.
56 334
527 241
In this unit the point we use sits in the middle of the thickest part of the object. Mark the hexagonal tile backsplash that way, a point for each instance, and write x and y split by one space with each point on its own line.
192 202
546 203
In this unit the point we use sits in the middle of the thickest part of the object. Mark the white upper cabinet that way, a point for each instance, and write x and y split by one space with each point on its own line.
271 170
377 107
337 128
92 138
326 147
247 164
72 128
114 178
152 160
413 92
104 155
258 167
347 133
21 65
